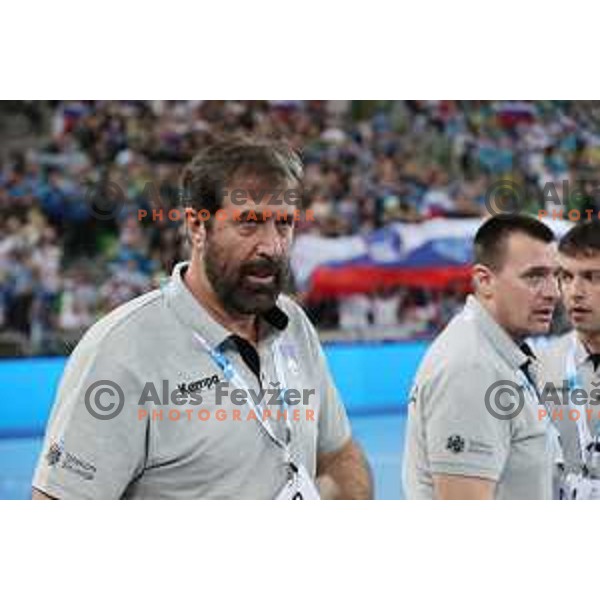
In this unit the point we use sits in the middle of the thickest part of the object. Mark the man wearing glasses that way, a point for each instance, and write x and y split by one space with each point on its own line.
474 430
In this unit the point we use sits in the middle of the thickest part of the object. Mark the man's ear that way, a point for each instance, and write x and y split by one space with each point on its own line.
483 280
195 230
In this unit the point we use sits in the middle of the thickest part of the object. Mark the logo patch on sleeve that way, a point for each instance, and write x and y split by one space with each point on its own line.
57 456
455 444
54 454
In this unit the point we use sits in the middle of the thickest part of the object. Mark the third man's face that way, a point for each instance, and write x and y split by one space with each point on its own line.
580 289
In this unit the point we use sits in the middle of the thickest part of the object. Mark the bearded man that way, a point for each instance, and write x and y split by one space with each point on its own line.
165 397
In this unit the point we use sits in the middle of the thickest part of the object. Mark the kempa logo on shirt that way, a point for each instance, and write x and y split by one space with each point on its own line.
184 393
200 384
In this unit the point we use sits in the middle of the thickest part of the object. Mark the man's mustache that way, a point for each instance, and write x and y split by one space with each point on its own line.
264 267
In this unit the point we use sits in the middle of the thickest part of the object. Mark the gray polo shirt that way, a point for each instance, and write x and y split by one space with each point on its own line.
554 378
450 430
148 348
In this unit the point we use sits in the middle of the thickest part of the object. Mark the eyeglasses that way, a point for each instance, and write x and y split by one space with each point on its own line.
538 279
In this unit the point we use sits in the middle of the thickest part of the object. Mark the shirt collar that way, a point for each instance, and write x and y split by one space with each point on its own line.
581 352
191 313
499 339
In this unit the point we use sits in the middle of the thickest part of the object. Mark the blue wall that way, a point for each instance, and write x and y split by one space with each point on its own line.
372 378
27 389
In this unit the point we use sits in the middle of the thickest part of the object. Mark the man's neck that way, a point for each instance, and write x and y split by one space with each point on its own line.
517 337
590 341
242 325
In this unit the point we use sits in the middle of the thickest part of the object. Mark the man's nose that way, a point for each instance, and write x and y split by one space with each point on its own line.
577 288
551 288
271 243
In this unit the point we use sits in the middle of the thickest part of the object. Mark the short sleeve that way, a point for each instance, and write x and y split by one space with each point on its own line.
462 436
95 442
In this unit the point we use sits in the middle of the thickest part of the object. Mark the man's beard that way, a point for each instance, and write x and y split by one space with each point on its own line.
236 293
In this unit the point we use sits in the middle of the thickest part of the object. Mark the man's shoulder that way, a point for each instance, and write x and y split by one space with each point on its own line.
293 310
558 345
124 324
459 352
299 327
552 355
459 342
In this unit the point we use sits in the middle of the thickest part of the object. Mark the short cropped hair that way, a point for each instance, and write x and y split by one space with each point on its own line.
582 240
216 166
492 237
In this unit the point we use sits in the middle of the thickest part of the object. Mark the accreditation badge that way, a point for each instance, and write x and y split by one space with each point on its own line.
299 487
577 487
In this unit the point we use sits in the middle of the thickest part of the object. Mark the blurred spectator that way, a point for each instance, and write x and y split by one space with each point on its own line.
386 305
354 312
367 164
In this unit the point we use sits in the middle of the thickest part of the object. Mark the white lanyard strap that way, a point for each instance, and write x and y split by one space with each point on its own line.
574 382
237 380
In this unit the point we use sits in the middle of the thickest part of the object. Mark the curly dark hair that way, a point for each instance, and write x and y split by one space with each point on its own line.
215 166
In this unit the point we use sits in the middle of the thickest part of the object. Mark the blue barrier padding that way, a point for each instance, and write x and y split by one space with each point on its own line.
373 378
27 390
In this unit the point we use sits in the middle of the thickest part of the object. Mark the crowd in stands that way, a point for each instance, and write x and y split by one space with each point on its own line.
367 164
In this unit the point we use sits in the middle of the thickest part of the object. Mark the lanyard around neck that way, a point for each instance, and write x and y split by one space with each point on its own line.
236 379
552 430
574 382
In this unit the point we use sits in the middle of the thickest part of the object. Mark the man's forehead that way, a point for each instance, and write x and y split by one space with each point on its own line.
580 262
525 250
519 242
256 193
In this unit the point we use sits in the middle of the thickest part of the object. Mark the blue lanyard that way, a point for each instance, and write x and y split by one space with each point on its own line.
574 382
236 379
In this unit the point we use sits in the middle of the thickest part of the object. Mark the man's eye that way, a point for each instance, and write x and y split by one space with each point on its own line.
535 278
565 277
249 225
